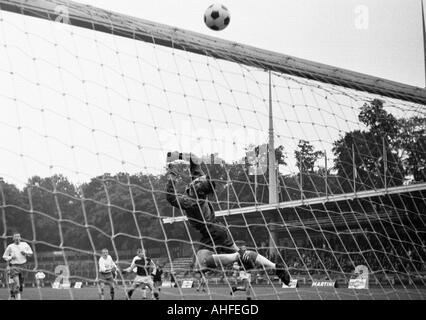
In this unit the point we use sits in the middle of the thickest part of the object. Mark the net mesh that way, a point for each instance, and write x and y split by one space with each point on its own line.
87 119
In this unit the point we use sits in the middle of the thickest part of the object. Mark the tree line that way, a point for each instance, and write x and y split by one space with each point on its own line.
123 211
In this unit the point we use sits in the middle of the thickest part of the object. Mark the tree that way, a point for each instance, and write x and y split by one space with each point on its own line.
52 199
412 142
366 154
378 120
13 212
371 163
306 157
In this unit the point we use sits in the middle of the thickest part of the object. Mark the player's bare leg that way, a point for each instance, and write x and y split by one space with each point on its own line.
101 290
248 287
130 291
18 288
154 292
14 289
201 286
250 257
244 255
111 289
144 292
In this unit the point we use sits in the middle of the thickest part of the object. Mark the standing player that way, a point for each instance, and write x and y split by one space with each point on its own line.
173 279
245 277
198 274
107 271
241 273
16 256
156 277
203 282
217 248
39 276
144 268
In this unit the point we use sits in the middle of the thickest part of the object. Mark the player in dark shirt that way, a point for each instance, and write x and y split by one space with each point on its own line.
217 249
173 279
144 268
157 278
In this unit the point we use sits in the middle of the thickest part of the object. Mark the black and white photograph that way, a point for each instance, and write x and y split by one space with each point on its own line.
237 151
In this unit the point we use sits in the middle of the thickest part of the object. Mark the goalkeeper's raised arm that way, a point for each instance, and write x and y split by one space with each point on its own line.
179 201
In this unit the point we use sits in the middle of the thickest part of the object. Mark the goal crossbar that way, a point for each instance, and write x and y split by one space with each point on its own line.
118 24
311 201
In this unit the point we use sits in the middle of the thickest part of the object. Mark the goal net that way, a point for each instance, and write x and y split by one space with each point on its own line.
94 103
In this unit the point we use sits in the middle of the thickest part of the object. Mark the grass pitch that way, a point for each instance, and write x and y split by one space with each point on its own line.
223 293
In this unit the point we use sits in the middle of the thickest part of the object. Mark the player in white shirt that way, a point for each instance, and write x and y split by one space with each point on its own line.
39 276
16 256
107 272
144 268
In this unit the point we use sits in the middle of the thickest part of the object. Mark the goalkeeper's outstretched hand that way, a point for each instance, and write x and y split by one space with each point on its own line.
177 169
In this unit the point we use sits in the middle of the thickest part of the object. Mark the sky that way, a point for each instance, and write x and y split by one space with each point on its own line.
82 103
378 37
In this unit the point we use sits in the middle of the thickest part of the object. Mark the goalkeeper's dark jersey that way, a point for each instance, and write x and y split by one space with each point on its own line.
144 266
200 212
201 217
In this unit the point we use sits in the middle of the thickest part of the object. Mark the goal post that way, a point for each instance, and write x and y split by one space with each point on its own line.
90 17
94 102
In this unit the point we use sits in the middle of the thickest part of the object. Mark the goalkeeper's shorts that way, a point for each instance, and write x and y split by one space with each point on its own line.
217 239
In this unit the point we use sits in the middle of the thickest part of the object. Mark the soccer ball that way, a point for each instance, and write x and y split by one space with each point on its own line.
217 17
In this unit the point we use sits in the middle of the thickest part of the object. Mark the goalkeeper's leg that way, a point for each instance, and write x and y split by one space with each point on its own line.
220 239
208 259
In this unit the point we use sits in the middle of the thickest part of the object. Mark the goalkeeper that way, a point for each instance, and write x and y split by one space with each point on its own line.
217 249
